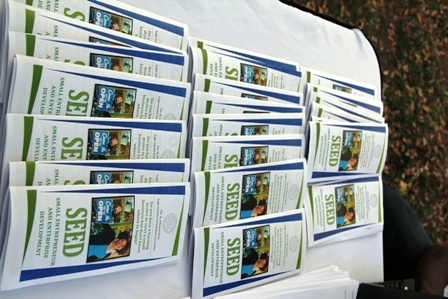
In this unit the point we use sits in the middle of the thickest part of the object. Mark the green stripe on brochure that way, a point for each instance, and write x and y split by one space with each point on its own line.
205 123
308 77
28 131
200 44
31 200
179 148
30 167
204 61
299 205
380 204
208 107
317 141
179 228
204 154
37 75
310 196
182 112
319 113
207 85
382 156
206 240
299 262
29 2
207 190
30 44
30 16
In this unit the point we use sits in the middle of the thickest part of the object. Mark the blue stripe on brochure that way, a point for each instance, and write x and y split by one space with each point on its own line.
165 166
291 69
327 234
210 291
157 23
167 89
289 166
32 274
166 126
298 109
172 58
261 221
326 174
282 142
354 86
119 38
286 97
354 181
160 190
272 121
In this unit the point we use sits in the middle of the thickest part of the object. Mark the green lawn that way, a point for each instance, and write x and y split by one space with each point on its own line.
411 40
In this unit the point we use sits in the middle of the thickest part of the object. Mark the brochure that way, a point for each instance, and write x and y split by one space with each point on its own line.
244 192
248 70
210 103
316 92
344 210
247 124
63 232
32 20
212 153
157 64
343 84
342 113
234 256
46 87
122 18
49 173
244 90
341 151
237 64
58 138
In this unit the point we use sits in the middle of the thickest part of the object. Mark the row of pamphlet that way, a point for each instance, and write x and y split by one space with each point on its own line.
261 157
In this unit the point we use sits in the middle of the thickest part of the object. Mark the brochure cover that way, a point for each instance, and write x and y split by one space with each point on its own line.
46 87
121 17
212 153
238 255
63 232
244 90
339 151
251 191
344 210
247 70
75 172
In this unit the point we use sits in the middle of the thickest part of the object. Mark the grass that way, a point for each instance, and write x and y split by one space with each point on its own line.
410 39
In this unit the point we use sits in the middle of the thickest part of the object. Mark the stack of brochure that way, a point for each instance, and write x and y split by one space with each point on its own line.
93 92
248 174
346 155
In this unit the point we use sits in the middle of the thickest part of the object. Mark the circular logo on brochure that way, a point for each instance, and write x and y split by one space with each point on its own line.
373 200
168 154
169 223
294 243
170 116
377 151
293 192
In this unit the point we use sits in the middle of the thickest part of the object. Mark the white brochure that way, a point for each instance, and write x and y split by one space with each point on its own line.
332 81
233 63
58 138
344 210
247 124
46 87
342 151
210 153
64 232
224 86
342 113
247 253
120 17
75 172
211 103
244 192
250 70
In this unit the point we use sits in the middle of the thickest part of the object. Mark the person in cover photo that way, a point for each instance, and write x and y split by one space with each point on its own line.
348 161
253 263
345 216
251 208
105 243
